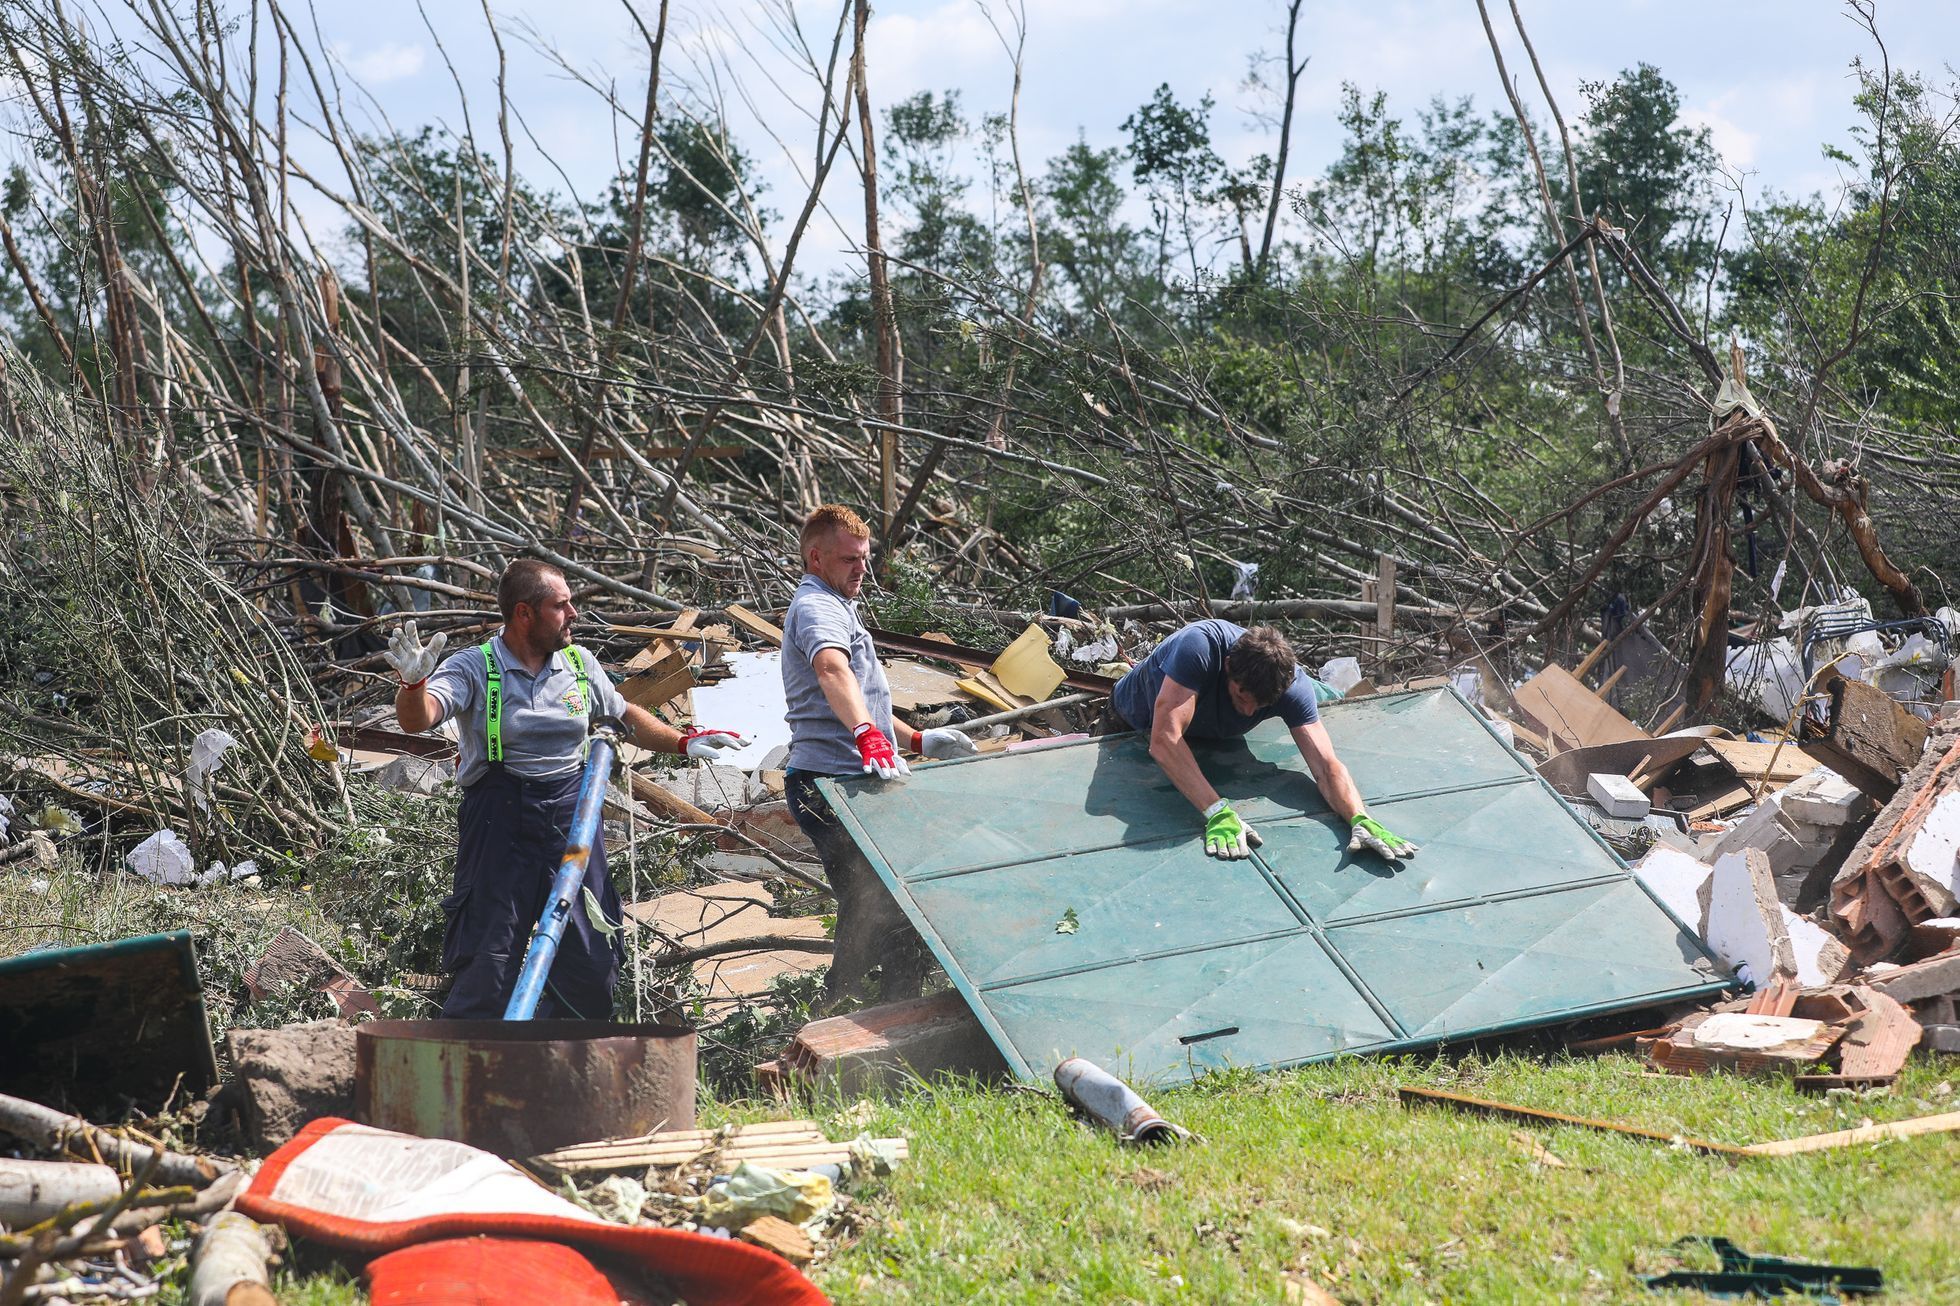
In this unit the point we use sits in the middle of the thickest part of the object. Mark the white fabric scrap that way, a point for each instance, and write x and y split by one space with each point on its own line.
207 755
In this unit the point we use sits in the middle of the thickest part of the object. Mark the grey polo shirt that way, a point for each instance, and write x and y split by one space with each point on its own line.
544 718
820 618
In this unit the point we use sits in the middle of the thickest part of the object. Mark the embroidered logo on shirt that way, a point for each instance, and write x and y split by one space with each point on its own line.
574 704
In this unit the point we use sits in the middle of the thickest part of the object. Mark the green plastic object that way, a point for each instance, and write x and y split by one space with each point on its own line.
1515 914
97 1027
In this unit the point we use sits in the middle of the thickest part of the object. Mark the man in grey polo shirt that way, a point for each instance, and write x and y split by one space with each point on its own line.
523 703
841 724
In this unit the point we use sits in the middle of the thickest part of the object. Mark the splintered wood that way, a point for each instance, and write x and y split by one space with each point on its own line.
783 1145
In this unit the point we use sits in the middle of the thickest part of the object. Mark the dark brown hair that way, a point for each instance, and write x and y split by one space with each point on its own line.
523 582
1263 664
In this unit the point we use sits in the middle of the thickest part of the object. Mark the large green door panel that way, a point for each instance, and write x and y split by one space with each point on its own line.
1271 1002
1496 839
1128 903
1518 961
1514 913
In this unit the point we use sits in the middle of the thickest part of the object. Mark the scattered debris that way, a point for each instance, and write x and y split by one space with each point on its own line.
1935 1124
782 1144
735 947
163 858
1866 737
293 961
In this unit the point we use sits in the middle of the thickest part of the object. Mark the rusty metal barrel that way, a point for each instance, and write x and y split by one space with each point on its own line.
520 1087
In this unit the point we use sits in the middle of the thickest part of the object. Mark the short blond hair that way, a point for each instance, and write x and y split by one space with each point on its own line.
830 517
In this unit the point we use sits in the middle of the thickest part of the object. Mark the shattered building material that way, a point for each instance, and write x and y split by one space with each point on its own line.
1903 872
293 961
1747 1044
1677 880
1867 738
1745 918
1305 954
885 1047
1823 797
95 1026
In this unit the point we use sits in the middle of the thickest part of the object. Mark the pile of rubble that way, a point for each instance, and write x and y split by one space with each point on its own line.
1817 861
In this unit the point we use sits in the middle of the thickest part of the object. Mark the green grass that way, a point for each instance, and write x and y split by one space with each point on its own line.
1322 1170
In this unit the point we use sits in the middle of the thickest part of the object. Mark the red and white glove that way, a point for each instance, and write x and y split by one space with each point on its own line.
710 743
878 754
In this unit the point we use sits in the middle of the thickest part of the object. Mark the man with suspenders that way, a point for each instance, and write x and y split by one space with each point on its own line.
522 702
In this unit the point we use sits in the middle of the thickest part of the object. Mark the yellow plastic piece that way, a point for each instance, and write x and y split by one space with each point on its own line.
1025 667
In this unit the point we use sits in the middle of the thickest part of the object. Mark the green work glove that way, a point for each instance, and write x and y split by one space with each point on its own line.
1370 833
1226 835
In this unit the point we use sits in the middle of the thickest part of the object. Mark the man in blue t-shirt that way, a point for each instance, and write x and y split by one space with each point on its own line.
1215 680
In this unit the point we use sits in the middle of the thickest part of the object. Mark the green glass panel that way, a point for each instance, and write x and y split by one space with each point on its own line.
1449 973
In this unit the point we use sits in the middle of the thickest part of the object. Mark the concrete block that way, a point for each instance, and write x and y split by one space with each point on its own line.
290 1075
1618 796
1677 880
1823 797
1745 920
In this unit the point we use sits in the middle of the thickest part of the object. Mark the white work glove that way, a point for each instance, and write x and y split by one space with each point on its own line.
710 743
946 743
410 657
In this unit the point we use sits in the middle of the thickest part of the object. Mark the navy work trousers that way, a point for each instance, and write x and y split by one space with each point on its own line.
511 837
871 927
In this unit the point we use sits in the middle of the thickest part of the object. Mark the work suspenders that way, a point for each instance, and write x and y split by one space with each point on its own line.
493 701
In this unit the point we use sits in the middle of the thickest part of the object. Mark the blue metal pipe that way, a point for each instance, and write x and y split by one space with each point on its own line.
565 886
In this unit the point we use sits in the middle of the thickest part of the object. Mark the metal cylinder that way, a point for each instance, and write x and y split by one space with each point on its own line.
518 1088
1113 1103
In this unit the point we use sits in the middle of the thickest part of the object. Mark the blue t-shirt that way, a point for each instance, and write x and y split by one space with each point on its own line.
1195 658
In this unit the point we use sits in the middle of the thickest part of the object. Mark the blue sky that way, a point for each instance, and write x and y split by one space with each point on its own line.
1770 78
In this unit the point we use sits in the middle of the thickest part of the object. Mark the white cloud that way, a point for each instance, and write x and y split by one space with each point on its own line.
390 61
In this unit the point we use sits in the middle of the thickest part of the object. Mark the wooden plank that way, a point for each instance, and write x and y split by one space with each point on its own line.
1946 1123
749 621
1505 1110
1573 714
1781 763
651 690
